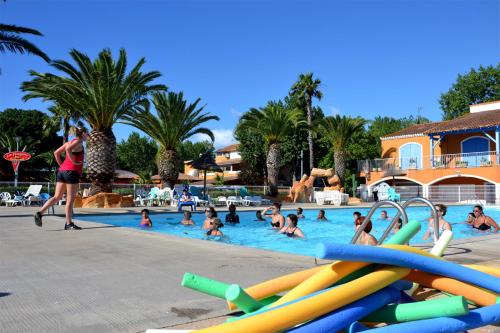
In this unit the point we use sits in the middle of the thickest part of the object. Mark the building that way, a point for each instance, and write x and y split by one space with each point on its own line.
455 160
229 159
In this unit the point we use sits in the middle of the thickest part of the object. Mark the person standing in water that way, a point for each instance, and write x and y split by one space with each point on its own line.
68 176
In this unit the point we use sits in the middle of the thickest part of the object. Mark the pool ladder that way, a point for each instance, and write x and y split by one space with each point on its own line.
401 214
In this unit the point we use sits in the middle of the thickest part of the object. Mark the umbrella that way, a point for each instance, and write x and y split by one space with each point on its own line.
206 163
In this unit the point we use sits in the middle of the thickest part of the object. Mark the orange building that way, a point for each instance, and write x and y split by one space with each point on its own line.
462 151
228 158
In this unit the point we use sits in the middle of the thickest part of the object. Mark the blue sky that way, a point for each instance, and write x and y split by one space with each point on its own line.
373 57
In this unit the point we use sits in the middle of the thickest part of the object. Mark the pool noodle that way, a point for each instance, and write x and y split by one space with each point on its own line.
357 327
437 250
283 318
477 295
334 272
236 295
344 316
476 318
322 279
204 285
443 307
406 259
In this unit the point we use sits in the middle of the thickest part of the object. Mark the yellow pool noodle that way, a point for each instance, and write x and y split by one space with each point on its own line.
296 313
324 278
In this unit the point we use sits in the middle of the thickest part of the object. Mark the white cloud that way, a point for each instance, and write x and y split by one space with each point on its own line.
235 112
223 137
334 110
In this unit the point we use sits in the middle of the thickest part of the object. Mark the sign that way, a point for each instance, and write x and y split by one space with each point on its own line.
15 157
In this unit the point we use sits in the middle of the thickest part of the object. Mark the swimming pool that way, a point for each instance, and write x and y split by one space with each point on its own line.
339 227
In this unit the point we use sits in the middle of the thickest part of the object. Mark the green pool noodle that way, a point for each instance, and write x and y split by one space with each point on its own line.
238 296
205 285
399 238
405 233
443 307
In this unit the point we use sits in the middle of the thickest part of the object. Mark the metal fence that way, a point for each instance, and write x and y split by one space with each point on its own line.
463 193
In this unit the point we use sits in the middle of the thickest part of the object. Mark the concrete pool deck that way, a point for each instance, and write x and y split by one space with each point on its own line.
112 279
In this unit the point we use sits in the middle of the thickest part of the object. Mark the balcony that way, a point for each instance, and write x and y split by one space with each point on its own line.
395 166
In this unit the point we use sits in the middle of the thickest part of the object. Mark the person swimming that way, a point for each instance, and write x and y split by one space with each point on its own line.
383 215
300 213
398 225
146 221
258 216
321 216
214 228
292 230
443 224
278 221
187 220
483 222
232 217
365 238
210 214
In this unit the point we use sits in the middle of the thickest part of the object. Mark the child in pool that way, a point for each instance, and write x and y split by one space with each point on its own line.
146 221
300 213
214 228
292 230
232 217
187 219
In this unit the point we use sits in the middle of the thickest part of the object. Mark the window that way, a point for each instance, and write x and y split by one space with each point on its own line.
475 151
410 156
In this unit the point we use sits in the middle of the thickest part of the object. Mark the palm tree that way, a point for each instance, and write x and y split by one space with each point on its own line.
273 122
176 122
12 42
306 88
61 120
339 131
101 93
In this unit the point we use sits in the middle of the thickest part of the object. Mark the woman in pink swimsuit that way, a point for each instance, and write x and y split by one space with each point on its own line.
68 176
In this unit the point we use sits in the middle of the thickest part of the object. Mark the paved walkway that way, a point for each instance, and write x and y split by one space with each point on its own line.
111 279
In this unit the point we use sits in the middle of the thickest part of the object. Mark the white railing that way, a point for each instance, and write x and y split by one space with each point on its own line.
395 165
477 194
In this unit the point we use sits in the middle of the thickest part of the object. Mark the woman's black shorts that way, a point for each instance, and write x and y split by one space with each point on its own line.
68 177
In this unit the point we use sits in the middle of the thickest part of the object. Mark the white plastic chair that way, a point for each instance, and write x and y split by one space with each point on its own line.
31 195
4 197
221 201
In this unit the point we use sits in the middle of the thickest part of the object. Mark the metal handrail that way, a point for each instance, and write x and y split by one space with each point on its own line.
362 227
404 206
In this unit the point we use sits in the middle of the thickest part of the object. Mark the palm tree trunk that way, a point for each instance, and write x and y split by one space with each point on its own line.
167 166
66 128
273 167
339 158
101 159
309 133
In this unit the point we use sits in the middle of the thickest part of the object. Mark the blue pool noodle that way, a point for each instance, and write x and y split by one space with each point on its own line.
363 253
357 327
344 316
476 318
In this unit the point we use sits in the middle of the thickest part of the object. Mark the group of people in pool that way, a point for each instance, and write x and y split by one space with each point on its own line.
289 226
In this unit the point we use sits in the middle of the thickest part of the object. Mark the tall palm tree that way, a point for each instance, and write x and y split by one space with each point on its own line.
339 131
306 88
10 40
176 122
101 93
273 122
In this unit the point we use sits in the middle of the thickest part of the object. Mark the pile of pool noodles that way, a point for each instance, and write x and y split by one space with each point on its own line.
367 288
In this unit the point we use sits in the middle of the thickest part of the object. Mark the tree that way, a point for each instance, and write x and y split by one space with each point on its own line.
175 122
306 88
61 119
253 156
137 154
10 40
101 93
29 126
339 131
273 123
477 86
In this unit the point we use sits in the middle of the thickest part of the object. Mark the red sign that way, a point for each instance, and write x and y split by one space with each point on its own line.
15 157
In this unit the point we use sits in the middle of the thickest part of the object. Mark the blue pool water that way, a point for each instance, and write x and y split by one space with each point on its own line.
339 227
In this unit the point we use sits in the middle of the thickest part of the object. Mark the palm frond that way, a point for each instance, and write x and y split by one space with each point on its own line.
16 44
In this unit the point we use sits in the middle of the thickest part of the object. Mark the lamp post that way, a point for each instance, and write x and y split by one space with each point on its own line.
17 138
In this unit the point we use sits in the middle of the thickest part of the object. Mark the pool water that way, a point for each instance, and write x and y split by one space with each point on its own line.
339 227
